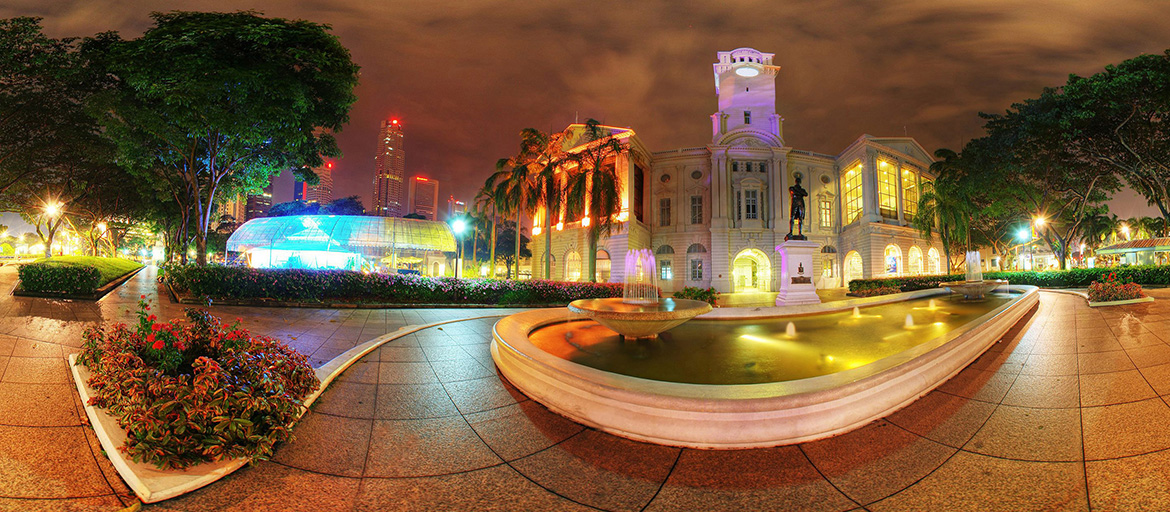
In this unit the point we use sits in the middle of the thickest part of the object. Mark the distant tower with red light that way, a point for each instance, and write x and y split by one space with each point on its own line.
390 171
322 192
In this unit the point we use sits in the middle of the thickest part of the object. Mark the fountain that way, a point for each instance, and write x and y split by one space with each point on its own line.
640 313
974 288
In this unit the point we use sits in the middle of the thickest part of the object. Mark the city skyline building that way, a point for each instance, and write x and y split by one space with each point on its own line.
455 207
390 170
322 192
258 205
424 197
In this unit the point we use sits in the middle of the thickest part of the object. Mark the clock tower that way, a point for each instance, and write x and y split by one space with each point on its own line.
745 81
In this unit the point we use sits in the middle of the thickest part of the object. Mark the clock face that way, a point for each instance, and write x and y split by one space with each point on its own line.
747 71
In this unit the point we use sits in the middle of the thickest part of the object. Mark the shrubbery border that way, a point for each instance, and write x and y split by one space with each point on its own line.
1072 278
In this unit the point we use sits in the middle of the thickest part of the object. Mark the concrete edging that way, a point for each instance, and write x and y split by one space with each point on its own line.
1120 302
152 484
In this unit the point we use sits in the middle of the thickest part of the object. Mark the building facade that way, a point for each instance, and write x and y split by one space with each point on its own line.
322 192
257 205
715 214
390 171
424 197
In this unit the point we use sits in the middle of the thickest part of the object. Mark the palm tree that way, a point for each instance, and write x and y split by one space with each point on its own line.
485 199
547 155
942 207
593 187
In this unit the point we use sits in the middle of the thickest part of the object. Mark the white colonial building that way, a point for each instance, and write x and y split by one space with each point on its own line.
714 214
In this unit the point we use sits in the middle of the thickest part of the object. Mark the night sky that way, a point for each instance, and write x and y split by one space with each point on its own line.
464 77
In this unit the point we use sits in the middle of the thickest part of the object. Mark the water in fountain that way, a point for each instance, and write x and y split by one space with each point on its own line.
932 304
856 312
909 321
790 330
974 270
641 279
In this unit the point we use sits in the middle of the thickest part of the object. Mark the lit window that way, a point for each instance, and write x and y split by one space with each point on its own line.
696 209
915 263
893 256
573 267
853 194
664 212
665 272
827 267
747 117
696 270
826 213
909 193
750 204
887 189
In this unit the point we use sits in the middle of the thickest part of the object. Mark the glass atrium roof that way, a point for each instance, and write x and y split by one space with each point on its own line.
374 237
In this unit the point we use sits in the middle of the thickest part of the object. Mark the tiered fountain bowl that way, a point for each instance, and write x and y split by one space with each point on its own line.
640 313
975 287
639 319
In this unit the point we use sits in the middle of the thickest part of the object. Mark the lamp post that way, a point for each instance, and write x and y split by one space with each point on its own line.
459 226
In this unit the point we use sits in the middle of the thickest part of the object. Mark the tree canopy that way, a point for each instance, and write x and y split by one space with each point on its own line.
206 101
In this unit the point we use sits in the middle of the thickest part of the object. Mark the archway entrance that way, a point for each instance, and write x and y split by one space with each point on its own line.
751 271
853 267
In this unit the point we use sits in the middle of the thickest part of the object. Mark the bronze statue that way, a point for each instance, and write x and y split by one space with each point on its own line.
796 194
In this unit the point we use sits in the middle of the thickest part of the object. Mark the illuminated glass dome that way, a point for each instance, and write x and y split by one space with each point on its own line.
338 241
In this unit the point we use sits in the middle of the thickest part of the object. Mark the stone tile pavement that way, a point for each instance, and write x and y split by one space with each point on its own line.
1067 412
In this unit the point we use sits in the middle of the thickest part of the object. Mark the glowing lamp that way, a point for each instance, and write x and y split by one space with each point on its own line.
1023 234
747 71
458 226
394 121
1039 221
585 222
53 209
536 230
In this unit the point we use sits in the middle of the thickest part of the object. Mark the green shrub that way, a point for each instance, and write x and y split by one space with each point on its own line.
875 291
708 295
48 277
302 285
195 390
1072 278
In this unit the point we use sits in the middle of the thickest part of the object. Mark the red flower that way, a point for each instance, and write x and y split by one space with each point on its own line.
142 296
151 318
148 308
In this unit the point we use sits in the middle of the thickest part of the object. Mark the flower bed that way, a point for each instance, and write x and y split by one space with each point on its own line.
1112 290
708 295
229 282
1072 278
195 390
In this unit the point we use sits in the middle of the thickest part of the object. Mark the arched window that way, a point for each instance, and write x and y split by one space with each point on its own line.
893 260
696 261
603 266
853 267
539 270
435 269
915 261
664 249
572 266
696 248
932 261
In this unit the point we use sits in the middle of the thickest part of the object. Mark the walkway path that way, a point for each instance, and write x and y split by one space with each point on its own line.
1068 411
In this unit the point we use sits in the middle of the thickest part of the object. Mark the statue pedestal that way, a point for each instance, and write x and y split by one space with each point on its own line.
796 273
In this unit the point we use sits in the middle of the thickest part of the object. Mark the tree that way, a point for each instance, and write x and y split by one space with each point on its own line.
486 199
351 205
415 216
548 182
297 207
1121 118
942 208
1039 170
594 189
506 240
203 99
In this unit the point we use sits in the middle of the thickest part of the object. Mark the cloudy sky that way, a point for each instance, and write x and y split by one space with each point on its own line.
464 77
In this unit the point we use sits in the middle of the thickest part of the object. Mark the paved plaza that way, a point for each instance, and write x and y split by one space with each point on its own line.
1067 412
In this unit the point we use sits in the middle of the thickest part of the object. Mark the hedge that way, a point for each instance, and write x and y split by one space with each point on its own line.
1072 278
69 279
301 285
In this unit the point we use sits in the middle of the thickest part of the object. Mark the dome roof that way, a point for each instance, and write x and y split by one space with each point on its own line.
371 236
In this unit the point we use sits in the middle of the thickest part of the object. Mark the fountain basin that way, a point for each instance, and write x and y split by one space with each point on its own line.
639 319
745 415
973 290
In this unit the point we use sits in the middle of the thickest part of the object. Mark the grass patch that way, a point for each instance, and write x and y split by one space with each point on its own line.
109 268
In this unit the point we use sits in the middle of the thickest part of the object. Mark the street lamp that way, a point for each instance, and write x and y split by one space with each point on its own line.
53 209
459 226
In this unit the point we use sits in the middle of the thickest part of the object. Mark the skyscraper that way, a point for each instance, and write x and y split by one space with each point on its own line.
322 192
257 205
455 207
424 197
389 171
